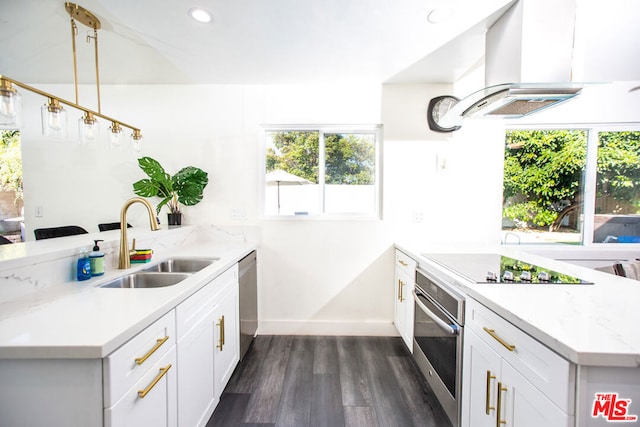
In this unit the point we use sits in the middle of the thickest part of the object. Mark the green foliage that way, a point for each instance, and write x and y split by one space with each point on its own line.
545 167
350 158
543 171
296 152
11 163
185 187
619 166
529 212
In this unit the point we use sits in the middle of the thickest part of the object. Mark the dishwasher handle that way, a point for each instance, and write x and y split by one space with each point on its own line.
450 329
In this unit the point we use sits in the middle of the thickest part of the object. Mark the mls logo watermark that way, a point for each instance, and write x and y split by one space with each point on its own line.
612 408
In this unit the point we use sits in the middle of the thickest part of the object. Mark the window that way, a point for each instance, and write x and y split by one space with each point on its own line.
322 171
11 194
572 186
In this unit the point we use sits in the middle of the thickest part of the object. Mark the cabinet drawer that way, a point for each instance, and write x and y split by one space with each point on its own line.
197 307
553 375
152 401
128 364
406 263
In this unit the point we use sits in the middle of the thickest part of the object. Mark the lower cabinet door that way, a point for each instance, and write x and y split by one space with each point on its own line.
480 376
195 375
226 339
151 401
523 405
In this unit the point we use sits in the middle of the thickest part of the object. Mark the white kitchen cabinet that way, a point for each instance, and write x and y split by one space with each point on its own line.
195 375
202 367
151 401
509 375
404 284
140 378
226 339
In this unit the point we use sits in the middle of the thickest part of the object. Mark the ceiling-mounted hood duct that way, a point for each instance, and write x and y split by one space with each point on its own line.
526 44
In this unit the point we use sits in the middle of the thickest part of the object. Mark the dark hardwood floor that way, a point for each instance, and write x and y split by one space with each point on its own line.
327 381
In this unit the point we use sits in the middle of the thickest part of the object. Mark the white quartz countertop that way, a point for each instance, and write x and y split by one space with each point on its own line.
594 325
81 320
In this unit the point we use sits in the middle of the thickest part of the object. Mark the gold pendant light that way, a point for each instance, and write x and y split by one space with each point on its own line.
54 121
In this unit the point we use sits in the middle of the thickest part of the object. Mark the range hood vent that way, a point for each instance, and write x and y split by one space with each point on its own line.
516 100
510 100
526 44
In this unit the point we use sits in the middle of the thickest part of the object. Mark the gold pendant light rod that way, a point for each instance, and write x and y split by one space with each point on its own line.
5 79
74 32
95 44
90 20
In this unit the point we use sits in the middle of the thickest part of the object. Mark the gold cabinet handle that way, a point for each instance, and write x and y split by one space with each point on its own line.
163 372
495 336
400 292
221 340
402 263
499 421
159 342
488 407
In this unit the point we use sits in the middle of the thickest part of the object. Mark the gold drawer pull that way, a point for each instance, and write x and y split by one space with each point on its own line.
221 341
159 342
400 292
488 407
493 334
499 422
163 372
402 263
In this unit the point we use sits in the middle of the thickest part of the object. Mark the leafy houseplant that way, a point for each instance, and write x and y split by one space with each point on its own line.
185 187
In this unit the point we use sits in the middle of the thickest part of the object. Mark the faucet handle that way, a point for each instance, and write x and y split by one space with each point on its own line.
133 247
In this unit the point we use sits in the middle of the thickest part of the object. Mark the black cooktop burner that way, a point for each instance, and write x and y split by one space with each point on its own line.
495 268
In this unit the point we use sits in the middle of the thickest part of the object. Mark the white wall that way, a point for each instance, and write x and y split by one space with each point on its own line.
316 276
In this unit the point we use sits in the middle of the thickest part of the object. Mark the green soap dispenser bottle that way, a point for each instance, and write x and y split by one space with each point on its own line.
96 258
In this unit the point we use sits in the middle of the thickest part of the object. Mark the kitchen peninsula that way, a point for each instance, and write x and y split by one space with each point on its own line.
62 341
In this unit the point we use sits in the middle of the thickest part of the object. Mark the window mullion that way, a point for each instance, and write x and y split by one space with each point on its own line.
321 170
589 194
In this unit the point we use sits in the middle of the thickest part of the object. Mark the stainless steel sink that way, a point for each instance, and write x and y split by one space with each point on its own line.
182 265
147 280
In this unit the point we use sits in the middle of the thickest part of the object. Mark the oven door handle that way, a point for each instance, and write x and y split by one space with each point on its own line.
452 330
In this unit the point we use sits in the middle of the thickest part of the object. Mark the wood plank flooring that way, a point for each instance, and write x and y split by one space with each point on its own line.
310 381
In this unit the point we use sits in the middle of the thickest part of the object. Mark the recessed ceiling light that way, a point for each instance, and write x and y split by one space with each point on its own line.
200 15
439 14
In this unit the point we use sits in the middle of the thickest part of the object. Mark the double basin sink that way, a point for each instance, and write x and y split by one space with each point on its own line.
165 273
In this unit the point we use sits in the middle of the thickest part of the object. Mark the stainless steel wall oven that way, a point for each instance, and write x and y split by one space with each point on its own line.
437 342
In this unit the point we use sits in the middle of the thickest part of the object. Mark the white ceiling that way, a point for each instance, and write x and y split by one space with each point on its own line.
249 41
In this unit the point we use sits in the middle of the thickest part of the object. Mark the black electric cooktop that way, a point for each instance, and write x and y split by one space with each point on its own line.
500 269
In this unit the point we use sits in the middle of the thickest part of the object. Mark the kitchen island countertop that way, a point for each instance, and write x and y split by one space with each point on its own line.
592 325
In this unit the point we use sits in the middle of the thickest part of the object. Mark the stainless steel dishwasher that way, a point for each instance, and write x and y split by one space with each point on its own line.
248 278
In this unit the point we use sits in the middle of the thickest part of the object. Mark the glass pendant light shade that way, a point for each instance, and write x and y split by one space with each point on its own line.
116 135
10 106
89 129
54 119
136 141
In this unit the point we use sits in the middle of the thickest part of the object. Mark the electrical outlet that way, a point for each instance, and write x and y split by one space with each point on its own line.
418 216
39 211
238 213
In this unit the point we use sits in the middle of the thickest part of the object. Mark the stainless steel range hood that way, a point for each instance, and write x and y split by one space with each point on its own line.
510 100
516 99
526 44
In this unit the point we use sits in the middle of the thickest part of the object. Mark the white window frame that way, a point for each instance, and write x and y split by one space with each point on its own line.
376 130
590 176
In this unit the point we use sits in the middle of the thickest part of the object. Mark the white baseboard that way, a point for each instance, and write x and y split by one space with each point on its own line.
312 327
